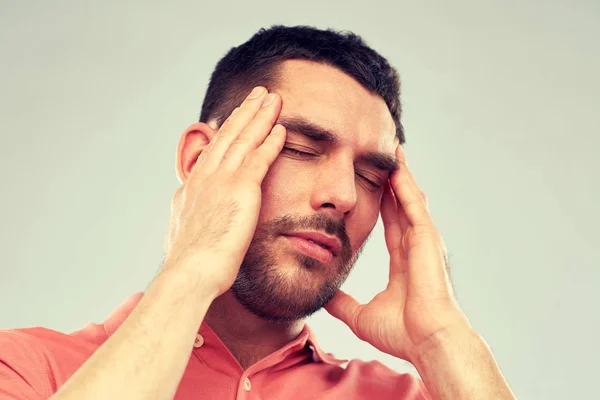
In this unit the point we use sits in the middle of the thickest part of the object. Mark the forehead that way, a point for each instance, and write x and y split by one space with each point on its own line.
334 100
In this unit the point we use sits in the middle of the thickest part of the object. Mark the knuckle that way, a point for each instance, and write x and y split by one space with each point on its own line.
255 162
238 111
240 141
265 112
229 119
249 162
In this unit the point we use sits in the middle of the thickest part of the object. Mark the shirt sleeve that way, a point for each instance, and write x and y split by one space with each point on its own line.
24 374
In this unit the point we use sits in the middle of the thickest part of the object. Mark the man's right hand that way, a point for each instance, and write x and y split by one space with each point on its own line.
214 215
215 211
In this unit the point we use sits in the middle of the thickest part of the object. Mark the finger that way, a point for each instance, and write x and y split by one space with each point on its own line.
391 222
254 134
394 226
345 308
427 269
211 157
409 197
402 218
401 214
401 156
257 164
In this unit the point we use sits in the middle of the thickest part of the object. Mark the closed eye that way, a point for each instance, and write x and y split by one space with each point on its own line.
298 152
374 185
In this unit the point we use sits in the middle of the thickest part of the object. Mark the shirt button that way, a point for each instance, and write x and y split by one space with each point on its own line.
247 385
199 341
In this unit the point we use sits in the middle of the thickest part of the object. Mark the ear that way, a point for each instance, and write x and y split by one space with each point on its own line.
191 144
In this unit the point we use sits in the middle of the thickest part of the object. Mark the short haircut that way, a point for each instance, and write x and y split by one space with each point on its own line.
255 62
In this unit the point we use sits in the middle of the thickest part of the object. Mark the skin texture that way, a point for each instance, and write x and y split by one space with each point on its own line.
321 193
417 317
319 190
146 356
237 181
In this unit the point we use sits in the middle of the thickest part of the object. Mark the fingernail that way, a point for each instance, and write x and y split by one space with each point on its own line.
256 92
268 100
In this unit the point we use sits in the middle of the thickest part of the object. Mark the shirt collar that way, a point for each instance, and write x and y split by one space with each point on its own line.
306 337
318 353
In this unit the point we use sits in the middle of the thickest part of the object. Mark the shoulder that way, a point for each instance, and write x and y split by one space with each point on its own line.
375 380
50 343
35 361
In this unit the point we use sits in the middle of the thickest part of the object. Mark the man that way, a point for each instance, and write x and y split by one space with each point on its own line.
280 190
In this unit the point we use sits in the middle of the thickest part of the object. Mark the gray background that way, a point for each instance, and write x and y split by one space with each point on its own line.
500 105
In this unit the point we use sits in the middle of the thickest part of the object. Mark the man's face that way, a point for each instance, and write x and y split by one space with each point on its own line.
332 189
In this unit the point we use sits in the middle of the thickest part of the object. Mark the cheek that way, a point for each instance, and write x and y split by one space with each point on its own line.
281 191
363 221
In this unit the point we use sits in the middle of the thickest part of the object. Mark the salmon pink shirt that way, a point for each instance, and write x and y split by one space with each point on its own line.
35 362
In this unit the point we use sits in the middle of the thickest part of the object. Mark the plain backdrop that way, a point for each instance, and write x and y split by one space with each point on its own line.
501 114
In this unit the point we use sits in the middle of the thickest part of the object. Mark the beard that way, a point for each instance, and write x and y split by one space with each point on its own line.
285 293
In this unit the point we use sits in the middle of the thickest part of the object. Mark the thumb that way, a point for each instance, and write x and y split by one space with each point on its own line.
345 308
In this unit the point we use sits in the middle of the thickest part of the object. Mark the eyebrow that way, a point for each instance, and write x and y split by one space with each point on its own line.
299 125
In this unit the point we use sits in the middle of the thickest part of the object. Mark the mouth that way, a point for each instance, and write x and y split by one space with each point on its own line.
316 245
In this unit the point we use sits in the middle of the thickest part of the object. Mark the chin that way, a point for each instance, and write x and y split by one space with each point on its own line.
285 292
281 284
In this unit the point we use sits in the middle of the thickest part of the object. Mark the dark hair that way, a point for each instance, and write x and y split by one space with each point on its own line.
255 63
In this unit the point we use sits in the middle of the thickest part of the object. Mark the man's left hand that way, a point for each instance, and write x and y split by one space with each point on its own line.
418 303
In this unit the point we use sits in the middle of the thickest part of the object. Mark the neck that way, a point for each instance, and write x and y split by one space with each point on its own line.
248 337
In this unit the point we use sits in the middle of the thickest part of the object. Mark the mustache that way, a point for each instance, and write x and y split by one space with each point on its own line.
318 222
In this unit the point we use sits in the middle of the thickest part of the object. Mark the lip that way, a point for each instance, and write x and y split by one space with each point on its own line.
332 243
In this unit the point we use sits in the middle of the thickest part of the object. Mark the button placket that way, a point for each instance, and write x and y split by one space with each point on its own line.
199 341
247 384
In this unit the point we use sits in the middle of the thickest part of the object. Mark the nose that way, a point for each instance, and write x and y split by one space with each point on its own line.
334 190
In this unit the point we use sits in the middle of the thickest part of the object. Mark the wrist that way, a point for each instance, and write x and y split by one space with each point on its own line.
186 277
446 342
458 364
